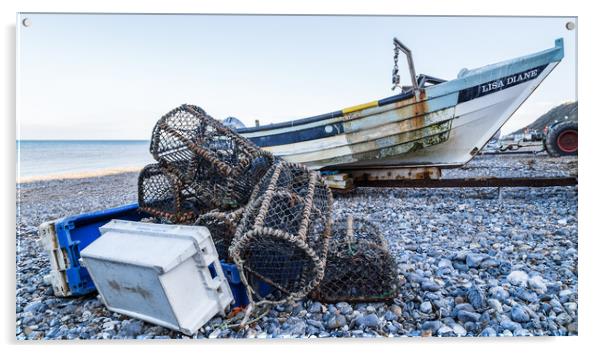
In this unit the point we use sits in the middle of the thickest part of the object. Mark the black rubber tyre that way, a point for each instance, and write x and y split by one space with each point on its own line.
562 139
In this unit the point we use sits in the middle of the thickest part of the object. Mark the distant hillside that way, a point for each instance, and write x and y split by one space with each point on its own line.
556 113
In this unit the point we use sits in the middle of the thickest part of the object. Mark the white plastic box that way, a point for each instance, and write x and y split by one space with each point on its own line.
158 273
59 261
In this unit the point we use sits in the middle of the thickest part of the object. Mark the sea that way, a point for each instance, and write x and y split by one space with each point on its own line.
44 159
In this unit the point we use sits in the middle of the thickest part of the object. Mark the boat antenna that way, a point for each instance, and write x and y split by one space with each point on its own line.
397 47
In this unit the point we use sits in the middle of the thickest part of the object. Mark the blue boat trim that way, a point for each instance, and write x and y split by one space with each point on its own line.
285 138
292 123
313 119
319 132
395 99
497 85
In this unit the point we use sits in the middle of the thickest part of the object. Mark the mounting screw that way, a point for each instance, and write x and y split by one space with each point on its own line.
570 25
26 22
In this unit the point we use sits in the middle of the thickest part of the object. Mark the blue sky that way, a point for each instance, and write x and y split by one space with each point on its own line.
112 76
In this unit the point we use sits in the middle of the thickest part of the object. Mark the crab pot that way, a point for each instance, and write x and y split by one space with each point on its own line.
219 167
163 195
222 226
282 239
359 266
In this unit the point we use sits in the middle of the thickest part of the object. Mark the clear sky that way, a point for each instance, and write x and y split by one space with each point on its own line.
113 76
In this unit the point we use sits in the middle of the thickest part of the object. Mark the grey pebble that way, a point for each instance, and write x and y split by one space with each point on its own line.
465 316
426 307
337 321
430 286
519 314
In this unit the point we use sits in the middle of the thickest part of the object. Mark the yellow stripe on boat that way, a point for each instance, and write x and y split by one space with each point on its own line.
360 107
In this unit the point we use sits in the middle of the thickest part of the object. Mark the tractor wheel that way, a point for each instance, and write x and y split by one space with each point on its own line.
562 139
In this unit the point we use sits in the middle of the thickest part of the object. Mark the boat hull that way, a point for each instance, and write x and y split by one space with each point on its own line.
444 125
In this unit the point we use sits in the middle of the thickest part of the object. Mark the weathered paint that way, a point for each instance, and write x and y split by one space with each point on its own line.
354 120
370 127
365 140
361 136
395 130
384 148
360 107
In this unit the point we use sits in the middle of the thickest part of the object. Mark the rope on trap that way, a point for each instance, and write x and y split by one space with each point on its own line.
281 242
359 266
202 167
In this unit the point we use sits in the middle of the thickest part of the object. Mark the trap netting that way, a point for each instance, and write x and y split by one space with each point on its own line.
163 195
218 167
282 239
359 266
222 226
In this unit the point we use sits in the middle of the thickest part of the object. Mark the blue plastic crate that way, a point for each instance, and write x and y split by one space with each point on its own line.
74 233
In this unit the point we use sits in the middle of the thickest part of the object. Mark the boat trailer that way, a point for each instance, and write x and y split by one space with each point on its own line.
486 182
431 177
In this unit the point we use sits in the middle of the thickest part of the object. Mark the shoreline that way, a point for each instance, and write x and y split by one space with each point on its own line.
79 175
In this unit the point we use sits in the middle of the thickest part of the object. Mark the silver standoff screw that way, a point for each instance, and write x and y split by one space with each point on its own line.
570 25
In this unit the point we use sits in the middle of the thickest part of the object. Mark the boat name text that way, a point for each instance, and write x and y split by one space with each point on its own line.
510 80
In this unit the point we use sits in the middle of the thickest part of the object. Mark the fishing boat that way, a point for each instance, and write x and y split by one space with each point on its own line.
433 123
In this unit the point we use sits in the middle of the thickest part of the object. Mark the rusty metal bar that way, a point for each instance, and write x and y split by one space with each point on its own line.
512 152
470 182
408 54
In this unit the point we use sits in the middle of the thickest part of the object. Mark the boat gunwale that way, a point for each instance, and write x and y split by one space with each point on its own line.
336 114
546 57
365 113
372 139
371 114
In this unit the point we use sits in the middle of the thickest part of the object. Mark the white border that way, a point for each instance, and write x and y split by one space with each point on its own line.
589 238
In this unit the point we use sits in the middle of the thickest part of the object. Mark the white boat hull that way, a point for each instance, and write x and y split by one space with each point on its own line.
443 125
474 124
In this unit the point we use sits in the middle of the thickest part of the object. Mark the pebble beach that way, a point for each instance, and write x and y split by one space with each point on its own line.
471 262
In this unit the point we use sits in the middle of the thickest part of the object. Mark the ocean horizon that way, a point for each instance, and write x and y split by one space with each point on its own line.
40 159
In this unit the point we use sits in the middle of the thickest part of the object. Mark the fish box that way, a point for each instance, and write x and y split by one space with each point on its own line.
64 238
159 273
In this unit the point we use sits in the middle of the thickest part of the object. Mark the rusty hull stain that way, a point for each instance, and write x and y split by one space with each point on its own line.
419 108
414 136
418 129
396 145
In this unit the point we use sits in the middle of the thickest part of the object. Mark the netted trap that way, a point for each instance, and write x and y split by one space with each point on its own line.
217 166
222 226
359 266
163 195
282 239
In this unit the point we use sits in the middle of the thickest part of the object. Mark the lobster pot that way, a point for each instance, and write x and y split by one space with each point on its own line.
359 266
219 167
163 195
222 226
282 239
